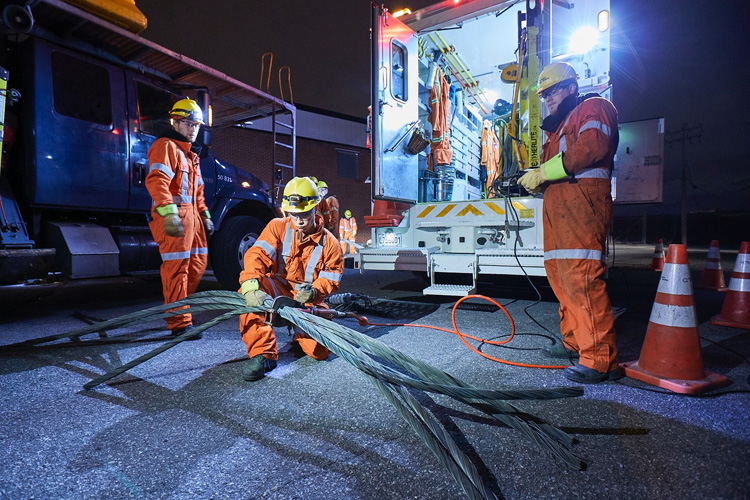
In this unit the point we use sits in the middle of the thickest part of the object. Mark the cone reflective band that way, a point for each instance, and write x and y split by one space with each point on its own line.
713 277
657 262
736 309
671 354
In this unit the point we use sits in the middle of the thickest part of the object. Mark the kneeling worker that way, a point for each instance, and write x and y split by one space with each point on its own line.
294 256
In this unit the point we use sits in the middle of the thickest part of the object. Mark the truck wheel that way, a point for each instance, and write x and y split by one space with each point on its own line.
229 245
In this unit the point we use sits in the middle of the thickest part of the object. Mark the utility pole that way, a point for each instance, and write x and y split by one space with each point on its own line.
683 135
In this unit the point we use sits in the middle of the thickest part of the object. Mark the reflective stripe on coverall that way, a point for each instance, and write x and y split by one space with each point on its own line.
577 217
281 262
348 231
175 177
440 108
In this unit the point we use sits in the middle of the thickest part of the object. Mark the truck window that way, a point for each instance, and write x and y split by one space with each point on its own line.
81 89
153 107
398 71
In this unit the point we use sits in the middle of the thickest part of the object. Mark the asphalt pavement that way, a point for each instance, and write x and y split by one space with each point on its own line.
184 425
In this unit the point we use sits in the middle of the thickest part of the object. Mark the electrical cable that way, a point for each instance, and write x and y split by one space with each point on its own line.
464 336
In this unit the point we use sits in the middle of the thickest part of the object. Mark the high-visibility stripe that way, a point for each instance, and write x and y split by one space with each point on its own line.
266 247
286 249
426 211
314 260
175 256
182 199
330 276
596 125
713 265
162 168
468 208
739 284
675 279
573 253
199 251
446 210
713 252
742 264
200 182
493 206
680 316
563 145
593 173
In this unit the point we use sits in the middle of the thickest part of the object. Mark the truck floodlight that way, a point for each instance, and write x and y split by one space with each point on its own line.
402 12
583 40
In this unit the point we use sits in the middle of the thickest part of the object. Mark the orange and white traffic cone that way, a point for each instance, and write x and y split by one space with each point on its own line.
671 354
657 262
713 277
736 309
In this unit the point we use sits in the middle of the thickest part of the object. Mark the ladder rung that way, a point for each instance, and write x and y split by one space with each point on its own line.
283 165
290 127
283 144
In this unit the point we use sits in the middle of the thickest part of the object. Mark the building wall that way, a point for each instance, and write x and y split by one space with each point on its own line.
251 150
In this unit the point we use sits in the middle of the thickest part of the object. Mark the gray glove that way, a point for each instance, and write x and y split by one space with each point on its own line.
173 225
306 294
208 225
256 298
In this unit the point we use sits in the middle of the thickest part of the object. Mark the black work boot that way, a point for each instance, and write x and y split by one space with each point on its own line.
179 331
558 350
256 368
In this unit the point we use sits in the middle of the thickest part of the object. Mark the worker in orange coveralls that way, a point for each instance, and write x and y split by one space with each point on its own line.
348 231
294 256
575 175
180 218
333 208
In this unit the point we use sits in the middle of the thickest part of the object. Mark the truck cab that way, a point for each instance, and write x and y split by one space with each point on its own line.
456 221
91 100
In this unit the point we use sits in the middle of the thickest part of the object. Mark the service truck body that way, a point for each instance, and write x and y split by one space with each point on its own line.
466 233
93 99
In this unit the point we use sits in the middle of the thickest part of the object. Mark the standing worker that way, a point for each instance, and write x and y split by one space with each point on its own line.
179 216
582 138
348 231
333 208
294 256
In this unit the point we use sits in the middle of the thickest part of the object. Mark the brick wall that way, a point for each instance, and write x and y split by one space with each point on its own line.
251 150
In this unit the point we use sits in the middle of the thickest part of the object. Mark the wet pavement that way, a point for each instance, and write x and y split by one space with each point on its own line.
184 425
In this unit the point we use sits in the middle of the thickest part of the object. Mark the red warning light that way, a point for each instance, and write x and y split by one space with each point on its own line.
115 131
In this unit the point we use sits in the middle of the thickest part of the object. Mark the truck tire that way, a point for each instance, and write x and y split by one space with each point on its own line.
228 246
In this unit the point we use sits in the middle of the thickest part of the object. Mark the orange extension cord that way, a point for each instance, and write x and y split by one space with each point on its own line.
463 336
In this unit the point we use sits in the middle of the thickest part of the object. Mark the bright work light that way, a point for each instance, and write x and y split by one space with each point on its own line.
583 40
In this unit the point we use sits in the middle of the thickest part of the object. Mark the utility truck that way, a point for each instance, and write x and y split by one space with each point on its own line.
84 99
455 222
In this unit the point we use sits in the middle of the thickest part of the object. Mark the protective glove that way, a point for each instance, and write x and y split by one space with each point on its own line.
551 170
208 224
254 296
306 294
172 221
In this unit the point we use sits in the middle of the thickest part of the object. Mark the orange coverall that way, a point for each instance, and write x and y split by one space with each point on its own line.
490 156
333 222
281 260
174 176
577 217
440 105
348 231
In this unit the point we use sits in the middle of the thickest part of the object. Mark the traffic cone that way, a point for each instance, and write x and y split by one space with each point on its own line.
671 354
713 277
657 262
736 309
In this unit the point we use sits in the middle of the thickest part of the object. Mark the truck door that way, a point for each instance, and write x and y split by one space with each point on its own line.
395 109
148 106
80 131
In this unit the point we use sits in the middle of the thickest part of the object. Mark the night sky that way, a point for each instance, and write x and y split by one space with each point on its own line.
682 60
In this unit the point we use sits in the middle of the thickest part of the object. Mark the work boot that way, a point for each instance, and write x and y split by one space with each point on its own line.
558 350
256 368
179 331
585 375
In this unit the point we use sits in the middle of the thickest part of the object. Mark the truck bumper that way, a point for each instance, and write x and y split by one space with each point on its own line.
25 264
